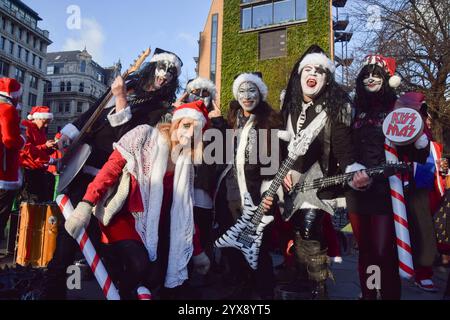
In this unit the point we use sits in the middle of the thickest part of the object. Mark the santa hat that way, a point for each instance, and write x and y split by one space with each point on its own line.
10 88
40 113
163 55
202 83
387 64
195 110
255 78
317 58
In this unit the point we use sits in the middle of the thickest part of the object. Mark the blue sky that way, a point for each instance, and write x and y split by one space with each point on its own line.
122 29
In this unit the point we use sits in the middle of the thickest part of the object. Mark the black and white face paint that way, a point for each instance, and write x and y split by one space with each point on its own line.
200 94
373 83
164 74
313 79
248 96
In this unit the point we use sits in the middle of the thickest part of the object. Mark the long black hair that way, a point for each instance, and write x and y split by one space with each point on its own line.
385 98
332 97
139 83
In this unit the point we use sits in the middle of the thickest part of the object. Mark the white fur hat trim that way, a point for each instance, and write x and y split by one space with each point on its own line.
249 77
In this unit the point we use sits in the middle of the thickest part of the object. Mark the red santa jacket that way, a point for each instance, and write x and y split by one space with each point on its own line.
10 144
122 227
35 155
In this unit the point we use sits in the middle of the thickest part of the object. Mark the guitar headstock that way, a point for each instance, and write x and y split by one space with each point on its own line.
299 146
139 61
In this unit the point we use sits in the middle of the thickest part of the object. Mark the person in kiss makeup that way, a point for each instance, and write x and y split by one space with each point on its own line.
311 91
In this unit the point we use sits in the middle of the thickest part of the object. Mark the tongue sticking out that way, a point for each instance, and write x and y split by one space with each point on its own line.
311 83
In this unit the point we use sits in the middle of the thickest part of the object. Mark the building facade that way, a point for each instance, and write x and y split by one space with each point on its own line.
75 83
23 49
262 35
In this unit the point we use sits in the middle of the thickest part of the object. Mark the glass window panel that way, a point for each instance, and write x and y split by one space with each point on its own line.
246 20
300 9
283 11
262 15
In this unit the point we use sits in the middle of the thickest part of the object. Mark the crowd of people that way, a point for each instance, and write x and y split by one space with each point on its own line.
153 205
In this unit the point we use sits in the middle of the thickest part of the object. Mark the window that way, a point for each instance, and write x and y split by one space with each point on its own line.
258 15
2 43
50 70
41 47
20 33
62 86
33 62
32 99
48 87
284 11
33 82
40 63
81 89
80 107
83 66
4 68
69 86
67 106
19 75
11 47
60 107
27 55
19 52
12 29
272 44
58 68
214 34
4 22
27 37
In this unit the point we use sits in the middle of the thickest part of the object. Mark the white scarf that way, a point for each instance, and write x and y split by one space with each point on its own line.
146 153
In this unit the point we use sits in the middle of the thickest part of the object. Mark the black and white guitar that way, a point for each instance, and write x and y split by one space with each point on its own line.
313 180
246 235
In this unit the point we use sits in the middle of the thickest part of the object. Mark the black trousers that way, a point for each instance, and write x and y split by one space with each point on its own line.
6 203
204 220
309 224
263 278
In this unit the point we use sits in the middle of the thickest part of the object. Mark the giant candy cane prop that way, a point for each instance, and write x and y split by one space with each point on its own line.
401 220
103 279
92 258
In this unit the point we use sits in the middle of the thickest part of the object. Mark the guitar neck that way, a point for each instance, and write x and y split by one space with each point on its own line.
341 179
88 125
274 186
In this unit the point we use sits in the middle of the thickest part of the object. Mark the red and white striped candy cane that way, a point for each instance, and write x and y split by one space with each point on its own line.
93 259
401 219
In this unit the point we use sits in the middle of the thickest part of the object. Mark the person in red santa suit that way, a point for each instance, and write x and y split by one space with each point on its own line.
148 222
35 157
370 209
10 144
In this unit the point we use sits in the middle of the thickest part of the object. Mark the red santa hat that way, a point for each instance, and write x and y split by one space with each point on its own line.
40 113
387 64
10 88
195 110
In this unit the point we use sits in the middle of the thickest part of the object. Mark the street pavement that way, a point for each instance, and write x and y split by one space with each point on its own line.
345 287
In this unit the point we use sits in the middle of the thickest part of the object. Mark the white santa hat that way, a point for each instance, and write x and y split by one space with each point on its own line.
202 83
172 58
40 113
387 64
195 110
254 78
317 59
10 88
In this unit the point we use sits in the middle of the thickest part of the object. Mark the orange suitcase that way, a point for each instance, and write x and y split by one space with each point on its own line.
38 228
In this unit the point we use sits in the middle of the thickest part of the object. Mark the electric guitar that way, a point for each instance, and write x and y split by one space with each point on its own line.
313 180
78 152
246 235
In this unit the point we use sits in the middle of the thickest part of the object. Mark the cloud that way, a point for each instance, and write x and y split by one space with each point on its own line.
90 36
188 38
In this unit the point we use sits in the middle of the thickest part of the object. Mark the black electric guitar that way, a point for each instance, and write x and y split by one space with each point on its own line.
78 152
246 235
313 180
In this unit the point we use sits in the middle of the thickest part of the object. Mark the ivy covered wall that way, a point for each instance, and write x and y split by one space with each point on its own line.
240 50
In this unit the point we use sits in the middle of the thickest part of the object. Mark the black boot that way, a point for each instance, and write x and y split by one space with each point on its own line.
318 271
